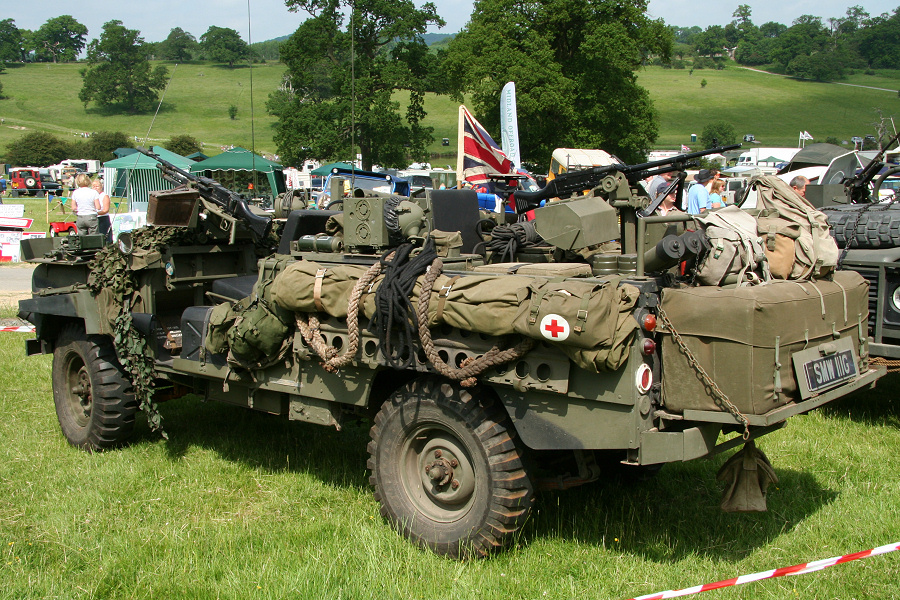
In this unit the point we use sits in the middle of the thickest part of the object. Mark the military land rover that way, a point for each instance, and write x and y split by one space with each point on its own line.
479 349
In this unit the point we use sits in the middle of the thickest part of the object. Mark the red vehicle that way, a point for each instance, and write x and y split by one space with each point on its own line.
63 228
31 182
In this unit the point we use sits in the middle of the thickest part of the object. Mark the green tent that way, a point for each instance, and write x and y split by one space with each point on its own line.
134 176
326 169
238 168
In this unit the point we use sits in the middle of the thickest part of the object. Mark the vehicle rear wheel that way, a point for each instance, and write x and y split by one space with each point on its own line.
446 469
95 403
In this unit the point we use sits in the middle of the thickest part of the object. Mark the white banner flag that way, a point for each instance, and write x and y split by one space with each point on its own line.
509 125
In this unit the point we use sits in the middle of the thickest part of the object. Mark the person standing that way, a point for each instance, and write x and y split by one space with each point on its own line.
668 204
2 184
798 184
717 193
657 181
86 202
698 195
103 212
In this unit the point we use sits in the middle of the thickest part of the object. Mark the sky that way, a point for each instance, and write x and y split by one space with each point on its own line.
271 18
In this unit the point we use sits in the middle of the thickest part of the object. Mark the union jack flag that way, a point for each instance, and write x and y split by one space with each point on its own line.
479 154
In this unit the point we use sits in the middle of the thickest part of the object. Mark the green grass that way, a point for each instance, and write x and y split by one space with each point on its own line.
45 97
238 504
774 108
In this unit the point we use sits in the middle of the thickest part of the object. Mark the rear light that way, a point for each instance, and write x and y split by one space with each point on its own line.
648 347
644 378
648 322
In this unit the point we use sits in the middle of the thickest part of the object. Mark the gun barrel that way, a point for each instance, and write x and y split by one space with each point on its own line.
212 191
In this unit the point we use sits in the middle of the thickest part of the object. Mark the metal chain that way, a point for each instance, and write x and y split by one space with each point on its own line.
717 394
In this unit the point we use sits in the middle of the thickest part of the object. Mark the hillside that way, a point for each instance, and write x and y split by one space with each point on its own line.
773 108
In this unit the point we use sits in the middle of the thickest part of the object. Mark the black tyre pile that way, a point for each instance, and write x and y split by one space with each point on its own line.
865 226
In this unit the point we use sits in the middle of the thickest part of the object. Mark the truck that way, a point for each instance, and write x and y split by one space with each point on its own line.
765 157
490 362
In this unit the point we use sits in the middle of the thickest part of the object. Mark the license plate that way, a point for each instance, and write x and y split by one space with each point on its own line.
830 370
825 366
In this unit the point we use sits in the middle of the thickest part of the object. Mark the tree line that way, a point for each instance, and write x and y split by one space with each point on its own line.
357 70
811 47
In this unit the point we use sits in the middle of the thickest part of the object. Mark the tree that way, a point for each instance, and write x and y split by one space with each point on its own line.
232 112
37 148
718 133
878 43
711 41
178 46
101 144
119 72
184 145
11 42
573 64
333 102
60 38
222 44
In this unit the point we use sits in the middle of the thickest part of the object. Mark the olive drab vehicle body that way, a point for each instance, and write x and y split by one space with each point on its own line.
492 362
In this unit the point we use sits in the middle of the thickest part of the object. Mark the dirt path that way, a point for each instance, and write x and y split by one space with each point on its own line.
867 87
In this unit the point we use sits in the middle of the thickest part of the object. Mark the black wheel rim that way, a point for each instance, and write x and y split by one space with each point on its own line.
78 395
437 473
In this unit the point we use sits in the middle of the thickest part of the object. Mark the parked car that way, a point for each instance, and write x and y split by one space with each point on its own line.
32 182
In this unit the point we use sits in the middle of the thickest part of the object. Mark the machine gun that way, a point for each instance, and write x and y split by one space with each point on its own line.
212 191
857 186
567 184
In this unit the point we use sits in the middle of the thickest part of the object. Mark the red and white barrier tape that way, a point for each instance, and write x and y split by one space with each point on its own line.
23 329
809 567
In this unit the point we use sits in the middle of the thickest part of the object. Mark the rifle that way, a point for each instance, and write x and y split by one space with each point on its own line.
857 186
574 182
213 191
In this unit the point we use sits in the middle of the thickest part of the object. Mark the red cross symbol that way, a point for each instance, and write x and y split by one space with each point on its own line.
554 328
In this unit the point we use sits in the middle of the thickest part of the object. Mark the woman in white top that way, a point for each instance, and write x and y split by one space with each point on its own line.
87 206
103 211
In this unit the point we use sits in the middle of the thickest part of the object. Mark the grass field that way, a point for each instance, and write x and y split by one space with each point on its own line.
243 505
774 108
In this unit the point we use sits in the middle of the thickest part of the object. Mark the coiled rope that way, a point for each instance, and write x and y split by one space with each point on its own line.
471 367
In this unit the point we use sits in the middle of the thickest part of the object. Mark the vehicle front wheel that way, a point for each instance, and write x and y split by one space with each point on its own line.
446 469
95 402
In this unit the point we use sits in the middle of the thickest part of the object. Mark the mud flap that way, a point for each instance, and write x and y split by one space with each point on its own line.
748 474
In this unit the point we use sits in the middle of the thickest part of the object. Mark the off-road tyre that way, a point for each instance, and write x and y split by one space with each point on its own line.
876 228
430 428
95 402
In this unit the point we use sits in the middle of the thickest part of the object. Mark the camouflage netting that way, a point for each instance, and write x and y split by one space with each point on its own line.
112 282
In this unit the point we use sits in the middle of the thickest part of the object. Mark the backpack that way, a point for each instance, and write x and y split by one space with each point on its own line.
736 253
797 237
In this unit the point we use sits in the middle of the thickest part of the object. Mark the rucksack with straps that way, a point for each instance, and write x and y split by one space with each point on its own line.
736 253
797 237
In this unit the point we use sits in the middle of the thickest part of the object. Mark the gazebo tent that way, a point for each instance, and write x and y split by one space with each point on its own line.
234 169
135 176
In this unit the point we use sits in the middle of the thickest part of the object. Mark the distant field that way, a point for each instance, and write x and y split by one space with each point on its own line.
45 97
773 108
